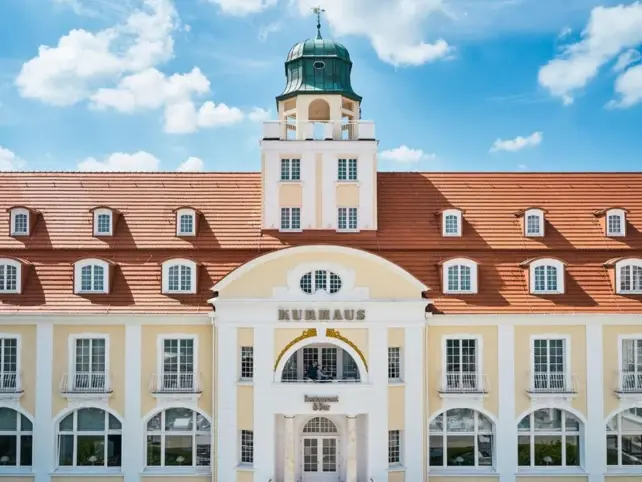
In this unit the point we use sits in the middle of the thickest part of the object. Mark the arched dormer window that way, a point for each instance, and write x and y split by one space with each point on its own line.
545 276
616 222
451 222
179 276
92 276
186 221
22 220
104 221
459 275
10 276
534 223
320 280
628 276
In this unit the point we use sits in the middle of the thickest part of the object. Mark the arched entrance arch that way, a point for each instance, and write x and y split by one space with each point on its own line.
320 439
319 111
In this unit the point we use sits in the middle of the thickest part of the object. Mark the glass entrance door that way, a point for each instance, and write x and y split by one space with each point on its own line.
320 459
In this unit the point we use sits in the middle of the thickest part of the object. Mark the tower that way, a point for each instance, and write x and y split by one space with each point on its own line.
319 157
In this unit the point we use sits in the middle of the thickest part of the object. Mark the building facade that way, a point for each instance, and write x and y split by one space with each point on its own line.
320 321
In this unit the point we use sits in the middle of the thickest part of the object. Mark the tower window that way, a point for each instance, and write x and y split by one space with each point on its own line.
347 170
319 65
290 219
290 169
347 219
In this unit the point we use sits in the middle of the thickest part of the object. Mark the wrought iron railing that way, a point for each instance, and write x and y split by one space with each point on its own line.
553 382
464 382
175 383
85 382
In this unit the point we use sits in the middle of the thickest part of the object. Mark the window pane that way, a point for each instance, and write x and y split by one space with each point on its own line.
25 424
548 450
436 451
548 419
611 450
114 450
67 423
203 450
524 450
114 424
65 450
485 450
26 448
91 450
178 450
8 452
460 450
460 420
154 423
8 419
91 419
631 450
154 450
178 419
572 450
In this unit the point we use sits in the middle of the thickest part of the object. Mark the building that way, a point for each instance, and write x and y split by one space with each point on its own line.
469 326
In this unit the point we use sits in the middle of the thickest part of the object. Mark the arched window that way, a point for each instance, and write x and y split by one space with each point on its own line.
320 280
549 437
179 276
534 223
616 222
20 224
547 276
178 437
451 222
91 276
461 437
89 437
624 438
103 222
629 276
460 276
10 276
16 436
186 222
320 425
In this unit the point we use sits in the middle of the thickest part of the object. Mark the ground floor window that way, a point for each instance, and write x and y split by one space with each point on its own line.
16 438
549 437
624 438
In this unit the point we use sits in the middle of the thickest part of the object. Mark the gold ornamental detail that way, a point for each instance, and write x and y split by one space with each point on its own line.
309 333
332 333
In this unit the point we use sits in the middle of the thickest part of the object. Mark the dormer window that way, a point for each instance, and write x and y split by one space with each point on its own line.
186 221
629 276
546 276
10 276
616 222
534 223
91 276
459 276
179 276
451 222
21 220
320 280
103 221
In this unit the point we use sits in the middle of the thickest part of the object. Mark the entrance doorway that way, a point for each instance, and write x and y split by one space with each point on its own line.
320 451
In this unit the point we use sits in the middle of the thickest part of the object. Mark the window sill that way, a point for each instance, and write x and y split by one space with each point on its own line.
469 292
91 471
550 471
463 471
290 230
396 468
347 230
178 293
396 383
185 235
290 181
9 470
627 293
623 471
245 467
546 293
245 383
174 471
343 182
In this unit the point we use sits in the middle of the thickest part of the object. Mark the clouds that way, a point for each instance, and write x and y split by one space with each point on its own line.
9 161
192 164
243 7
609 32
404 154
140 161
518 143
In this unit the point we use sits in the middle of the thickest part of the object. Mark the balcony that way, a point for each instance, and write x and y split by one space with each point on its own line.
10 386
467 384
86 385
629 385
554 384
291 130
176 385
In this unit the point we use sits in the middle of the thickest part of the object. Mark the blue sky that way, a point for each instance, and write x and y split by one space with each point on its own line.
461 85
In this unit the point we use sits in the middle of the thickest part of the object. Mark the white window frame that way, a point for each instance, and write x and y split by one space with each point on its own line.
460 262
313 282
618 275
290 229
242 350
289 170
349 162
637 373
185 212
399 461
400 364
560 274
160 353
619 433
79 265
567 356
479 356
457 214
18 433
340 363
179 262
540 214
103 212
71 350
3 374
18 265
244 449
348 229
622 215
15 212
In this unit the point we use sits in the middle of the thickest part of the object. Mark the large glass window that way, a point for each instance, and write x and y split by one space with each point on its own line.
89 437
461 437
178 364
461 364
624 438
459 278
90 366
549 437
549 365
9 364
9 277
631 376
178 437
92 278
631 278
16 437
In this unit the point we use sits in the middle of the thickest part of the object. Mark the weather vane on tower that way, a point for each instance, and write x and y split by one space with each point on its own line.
318 11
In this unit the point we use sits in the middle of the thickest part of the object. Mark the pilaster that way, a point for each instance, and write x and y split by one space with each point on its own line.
378 415
43 437
413 368
351 470
134 439
289 466
506 429
227 433
595 439
264 417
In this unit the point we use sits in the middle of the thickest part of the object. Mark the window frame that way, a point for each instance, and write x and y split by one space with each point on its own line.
621 213
399 368
185 212
242 358
538 213
160 354
479 357
469 263
349 210
560 276
349 172
246 447
313 282
398 460
71 350
15 264
289 169
18 433
18 338
619 433
630 262
103 212
290 229
637 372
451 212
170 263
93 262
16 212
566 358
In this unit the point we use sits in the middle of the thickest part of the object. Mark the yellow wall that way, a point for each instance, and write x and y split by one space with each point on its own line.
622 479
470 478
245 404
244 476
19 478
396 337
60 365
555 479
67 478
610 335
577 335
347 195
397 476
435 359
396 407
28 354
290 195
149 361
245 337
152 478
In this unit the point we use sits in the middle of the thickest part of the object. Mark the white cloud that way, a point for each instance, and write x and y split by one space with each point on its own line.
9 161
259 115
395 28
610 30
629 87
191 164
120 161
405 154
266 30
565 32
517 144
626 59
522 167
243 7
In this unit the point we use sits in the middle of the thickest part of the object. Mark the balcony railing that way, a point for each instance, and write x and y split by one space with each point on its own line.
175 383
557 382
464 382
10 382
292 130
85 382
629 382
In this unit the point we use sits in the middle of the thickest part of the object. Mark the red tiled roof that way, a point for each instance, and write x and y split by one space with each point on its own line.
409 234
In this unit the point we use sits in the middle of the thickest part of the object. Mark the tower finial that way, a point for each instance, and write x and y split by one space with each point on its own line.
318 11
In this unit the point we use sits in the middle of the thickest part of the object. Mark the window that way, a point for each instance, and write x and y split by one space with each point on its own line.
16 439
347 219
347 170
460 276
91 276
549 437
179 277
547 276
9 365
629 276
290 219
451 222
336 363
616 222
461 437
394 363
103 222
186 222
247 362
631 374
178 364
461 365
623 436
549 365
90 365
178 437
247 447
20 222
320 280
534 223
394 447
290 169
10 276
89 437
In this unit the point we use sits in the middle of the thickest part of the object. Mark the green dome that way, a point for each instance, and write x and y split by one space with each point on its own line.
318 48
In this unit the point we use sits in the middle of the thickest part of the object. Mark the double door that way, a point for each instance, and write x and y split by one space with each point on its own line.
320 459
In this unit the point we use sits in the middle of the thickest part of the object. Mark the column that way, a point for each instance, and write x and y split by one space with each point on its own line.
227 434
413 367
594 431
133 449
43 427
264 404
506 429
289 466
351 470
378 406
